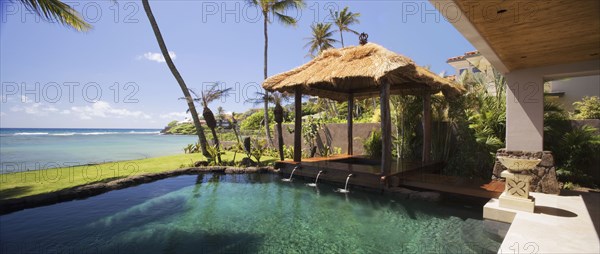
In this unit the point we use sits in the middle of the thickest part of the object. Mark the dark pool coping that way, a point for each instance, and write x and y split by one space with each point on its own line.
89 190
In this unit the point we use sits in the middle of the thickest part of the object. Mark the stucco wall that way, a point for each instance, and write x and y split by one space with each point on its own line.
336 135
575 89
591 122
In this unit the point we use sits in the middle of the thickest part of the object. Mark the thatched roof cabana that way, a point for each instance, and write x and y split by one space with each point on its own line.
367 70
360 70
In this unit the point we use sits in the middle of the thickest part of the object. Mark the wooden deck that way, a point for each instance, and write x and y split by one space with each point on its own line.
453 184
405 173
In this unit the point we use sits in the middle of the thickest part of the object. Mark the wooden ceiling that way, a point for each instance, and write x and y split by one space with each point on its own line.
530 33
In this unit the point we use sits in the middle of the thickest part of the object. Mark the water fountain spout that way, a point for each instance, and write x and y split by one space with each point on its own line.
345 189
316 180
291 175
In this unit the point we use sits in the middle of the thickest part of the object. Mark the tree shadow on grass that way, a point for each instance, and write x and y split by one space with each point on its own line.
14 192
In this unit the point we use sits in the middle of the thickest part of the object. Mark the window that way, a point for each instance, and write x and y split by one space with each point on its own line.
475 70
460 72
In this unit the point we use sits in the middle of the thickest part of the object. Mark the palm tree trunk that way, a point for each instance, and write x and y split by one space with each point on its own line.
266 114
175 72
341 37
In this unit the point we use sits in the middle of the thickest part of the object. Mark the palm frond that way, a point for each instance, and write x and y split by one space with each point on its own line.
52 10
321 38
282 6
284 19
344 19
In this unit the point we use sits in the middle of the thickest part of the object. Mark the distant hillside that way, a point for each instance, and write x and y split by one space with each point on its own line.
175 128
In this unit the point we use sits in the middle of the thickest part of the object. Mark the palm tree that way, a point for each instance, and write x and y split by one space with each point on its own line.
277 9
55 10
205 98
343 20
320 39
220 115
180 81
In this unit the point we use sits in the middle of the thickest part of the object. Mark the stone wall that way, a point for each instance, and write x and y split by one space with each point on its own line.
543 176
336 135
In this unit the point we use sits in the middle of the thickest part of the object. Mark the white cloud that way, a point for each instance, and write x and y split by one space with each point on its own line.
65 112
104 110
2 114
174 115
29 107
157 57
50 109
25 99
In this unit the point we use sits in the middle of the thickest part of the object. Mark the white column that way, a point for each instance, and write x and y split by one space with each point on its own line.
524 111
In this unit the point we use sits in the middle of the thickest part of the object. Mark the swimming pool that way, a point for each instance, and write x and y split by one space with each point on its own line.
214 213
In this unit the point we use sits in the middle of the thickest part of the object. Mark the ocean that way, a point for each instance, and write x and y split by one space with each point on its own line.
23 149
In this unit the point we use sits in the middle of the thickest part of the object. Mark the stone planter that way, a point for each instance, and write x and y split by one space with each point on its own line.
543 176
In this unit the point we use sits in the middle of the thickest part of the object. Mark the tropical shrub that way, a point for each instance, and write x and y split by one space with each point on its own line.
213 155
575 149
479 122
406 118
192 148
288 152
255 121
310 132
259 149
587 108
372 144
575 155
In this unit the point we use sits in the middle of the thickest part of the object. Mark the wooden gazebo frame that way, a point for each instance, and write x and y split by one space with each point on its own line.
363 71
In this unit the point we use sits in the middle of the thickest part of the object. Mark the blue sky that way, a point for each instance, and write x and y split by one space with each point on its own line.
112 76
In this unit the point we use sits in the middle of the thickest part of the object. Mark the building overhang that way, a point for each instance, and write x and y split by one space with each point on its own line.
523 34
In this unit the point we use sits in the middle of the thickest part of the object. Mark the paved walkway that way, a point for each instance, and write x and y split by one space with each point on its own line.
559 224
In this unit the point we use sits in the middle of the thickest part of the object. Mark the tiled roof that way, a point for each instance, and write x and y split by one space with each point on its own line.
467 54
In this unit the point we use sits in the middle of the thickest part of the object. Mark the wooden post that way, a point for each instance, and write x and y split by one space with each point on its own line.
426 127
349 118
298 125
386 129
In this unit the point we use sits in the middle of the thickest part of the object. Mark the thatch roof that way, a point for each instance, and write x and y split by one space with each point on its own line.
359 70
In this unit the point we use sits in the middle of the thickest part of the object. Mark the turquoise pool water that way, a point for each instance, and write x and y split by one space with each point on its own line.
245 214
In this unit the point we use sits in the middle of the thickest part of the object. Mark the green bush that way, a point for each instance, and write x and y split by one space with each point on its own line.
575 149
479 122
255 121
172 123
372 144
183 129
587 108
575 153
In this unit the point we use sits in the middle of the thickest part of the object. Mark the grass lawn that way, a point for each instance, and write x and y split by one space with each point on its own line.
22 184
